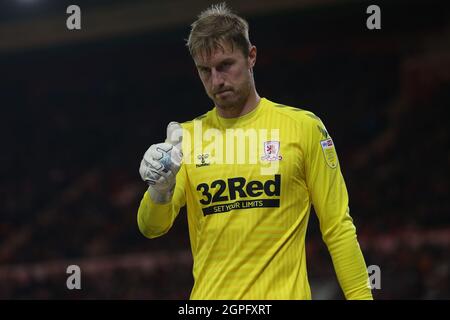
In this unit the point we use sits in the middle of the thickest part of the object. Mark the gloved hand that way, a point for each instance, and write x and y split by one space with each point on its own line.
161 164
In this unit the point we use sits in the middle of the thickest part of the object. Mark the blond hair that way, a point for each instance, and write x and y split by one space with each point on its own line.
215 27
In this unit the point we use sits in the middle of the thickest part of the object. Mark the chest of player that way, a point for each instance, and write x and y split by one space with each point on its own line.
241 168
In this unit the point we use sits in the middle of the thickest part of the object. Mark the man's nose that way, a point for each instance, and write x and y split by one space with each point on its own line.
217 79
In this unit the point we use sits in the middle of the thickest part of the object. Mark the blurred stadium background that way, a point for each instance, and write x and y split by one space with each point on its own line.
79 109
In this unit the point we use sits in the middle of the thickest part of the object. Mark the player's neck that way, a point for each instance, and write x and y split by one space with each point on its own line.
239 111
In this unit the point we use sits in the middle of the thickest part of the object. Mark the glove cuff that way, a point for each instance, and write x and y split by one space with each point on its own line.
160 197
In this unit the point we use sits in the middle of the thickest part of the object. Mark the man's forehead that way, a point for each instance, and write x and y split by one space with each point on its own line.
215 55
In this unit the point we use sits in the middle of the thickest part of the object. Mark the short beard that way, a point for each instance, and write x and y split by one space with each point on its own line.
238 103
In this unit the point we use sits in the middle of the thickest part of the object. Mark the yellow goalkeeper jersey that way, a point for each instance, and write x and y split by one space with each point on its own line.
249 184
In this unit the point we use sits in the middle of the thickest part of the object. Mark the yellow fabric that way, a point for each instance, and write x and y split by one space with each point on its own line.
245 246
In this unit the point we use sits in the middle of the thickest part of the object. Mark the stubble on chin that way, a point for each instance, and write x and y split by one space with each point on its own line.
229 104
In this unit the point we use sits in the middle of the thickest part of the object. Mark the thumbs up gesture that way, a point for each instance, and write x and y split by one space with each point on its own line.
161 164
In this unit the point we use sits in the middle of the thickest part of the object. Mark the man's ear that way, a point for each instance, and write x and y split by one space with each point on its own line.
252 57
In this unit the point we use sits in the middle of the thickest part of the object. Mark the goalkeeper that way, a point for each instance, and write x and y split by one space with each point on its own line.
247 226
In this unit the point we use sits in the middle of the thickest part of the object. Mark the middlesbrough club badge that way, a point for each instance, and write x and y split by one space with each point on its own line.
271 151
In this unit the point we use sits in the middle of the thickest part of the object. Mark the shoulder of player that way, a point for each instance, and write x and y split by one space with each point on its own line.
301 117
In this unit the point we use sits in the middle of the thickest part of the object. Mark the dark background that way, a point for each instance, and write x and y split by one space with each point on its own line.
80 108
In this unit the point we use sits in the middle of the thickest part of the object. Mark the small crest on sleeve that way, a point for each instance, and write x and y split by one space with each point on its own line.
329 152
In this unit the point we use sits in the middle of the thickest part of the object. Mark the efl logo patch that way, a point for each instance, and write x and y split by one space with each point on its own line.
329 152
271 151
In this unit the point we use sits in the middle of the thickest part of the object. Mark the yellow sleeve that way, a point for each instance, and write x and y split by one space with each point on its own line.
154 219
330 200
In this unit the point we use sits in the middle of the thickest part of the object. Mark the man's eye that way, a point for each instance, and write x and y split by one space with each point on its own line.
226 64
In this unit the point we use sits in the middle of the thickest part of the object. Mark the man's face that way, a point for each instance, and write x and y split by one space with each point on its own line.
227 75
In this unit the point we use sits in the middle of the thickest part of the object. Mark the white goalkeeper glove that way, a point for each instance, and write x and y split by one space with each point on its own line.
161 164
